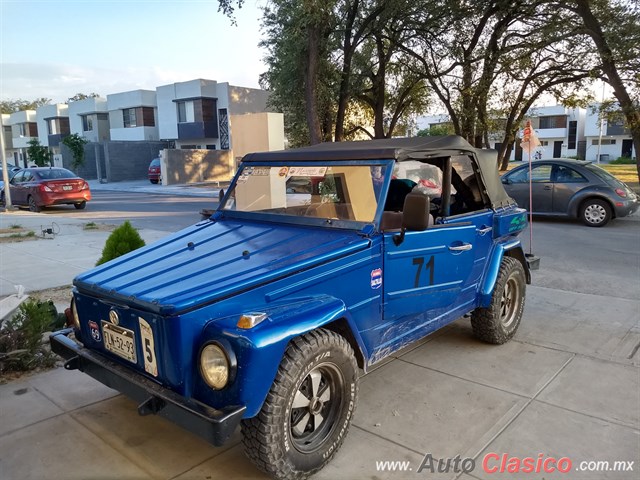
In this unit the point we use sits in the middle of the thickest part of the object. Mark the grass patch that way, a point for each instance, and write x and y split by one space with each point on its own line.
90 226
30 233
625 173
15 226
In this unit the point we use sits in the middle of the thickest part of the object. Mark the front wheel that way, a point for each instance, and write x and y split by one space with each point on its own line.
308 410
498 323
595 212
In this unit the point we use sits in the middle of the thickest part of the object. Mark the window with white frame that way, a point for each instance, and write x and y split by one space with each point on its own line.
605 141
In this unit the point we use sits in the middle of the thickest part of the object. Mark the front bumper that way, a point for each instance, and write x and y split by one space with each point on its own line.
215 426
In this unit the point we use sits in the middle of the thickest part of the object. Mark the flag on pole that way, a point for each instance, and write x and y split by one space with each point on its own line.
529 140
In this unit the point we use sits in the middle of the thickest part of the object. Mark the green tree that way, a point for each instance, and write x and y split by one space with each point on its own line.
39 154
122 240
12 106
614 28
82 96
76 144
436 130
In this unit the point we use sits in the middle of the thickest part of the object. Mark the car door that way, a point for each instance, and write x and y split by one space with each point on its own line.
422 280
517 186
566 183
17 191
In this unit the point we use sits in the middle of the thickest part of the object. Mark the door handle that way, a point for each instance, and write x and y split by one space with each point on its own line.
461 248
484 230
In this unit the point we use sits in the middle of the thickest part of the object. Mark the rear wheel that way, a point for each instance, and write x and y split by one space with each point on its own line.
498 323
308 410
153 181
33 206
80 205
595 212
2 201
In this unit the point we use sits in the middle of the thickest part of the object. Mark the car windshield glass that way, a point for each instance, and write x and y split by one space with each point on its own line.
55 173
343 192
604 175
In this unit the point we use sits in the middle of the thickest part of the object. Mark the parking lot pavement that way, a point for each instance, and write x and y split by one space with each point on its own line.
567 388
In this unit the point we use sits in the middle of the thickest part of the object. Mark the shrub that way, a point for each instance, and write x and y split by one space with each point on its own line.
623 161
123 239
21 338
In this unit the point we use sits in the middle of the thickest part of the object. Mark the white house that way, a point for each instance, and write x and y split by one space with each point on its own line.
616 139
561 131
90 119
197 114
53 125
133 115
24 128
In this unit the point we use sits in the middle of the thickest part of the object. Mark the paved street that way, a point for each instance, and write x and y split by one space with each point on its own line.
568 386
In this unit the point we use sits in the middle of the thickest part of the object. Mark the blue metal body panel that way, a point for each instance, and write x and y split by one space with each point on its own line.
192 287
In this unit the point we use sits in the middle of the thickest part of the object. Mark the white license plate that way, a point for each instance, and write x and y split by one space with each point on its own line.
67 187
120 341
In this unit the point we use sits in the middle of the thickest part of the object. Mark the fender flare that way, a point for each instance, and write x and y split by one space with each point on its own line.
582 195
511 249
260 350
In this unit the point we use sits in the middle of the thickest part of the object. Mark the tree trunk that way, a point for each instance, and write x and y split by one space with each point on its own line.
310 82
630 111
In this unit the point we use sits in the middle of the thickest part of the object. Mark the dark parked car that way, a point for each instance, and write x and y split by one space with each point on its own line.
262 315
46 186
154 171
572 188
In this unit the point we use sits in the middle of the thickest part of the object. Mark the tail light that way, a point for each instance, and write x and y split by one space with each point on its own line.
85 186
621 193
45 188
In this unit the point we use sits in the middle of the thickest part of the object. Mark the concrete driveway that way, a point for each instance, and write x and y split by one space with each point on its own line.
567 388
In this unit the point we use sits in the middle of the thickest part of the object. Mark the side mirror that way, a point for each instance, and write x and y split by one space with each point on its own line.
220 195
505 180
415 214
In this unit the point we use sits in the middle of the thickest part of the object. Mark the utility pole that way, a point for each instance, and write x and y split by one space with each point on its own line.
5 171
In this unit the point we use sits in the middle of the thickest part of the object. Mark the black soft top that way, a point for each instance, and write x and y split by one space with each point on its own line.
400 149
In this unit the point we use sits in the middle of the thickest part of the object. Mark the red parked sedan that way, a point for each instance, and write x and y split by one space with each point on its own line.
46 186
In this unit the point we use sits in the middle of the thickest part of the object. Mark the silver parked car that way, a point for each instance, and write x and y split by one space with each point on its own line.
573 188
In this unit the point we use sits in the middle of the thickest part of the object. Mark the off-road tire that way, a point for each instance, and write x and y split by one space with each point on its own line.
595 212
80 205
272 439
33 206
498 323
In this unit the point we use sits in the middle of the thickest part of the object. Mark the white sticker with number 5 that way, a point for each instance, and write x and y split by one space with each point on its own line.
148 348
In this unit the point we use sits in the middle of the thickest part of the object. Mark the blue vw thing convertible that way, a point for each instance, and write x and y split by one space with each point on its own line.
318 263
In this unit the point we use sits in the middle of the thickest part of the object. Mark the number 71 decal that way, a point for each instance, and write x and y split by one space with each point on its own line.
419 261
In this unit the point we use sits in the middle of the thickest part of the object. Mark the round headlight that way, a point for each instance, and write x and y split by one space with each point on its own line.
74 314
214 366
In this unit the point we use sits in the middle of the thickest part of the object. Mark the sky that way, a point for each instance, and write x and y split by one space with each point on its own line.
57 48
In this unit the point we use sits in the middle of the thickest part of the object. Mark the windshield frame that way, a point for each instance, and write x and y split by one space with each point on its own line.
309 221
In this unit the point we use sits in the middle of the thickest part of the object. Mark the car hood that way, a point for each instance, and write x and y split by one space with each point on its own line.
214 260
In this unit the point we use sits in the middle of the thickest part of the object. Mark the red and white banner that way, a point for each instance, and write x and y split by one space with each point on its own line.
529 140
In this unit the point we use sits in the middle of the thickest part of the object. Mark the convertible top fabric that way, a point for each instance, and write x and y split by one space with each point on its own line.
400 149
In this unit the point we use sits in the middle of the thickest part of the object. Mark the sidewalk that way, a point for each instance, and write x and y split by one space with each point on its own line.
210 189
568 385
